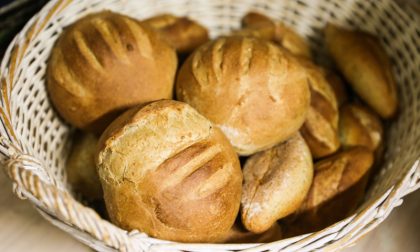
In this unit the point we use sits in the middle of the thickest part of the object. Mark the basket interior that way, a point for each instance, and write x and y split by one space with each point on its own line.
45 136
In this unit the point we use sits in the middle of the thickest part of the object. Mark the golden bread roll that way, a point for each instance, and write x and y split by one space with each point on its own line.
291 40
81 168
276 182
181 33
238 234
339 88
167 171
256 25
359 126
105 63
336 174
338 187
260 26
254 91
365 65
320 129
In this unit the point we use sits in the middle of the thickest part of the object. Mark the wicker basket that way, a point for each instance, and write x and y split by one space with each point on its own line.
34 140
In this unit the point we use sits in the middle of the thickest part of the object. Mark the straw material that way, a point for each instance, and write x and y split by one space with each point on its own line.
34 141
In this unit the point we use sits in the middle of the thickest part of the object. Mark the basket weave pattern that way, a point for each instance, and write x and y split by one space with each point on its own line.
34 141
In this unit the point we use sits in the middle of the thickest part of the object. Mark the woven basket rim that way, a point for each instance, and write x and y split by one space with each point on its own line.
60 208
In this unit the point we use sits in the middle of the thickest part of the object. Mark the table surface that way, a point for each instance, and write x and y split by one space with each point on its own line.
23 229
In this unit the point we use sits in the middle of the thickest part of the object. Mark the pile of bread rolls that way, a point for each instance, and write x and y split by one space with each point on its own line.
160 143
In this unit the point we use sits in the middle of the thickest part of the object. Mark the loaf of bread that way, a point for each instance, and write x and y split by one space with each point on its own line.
320 129
365 65
260 26
181 33
81 168
103 64
256 92
168 172
359 126
276 182
338 187
238 234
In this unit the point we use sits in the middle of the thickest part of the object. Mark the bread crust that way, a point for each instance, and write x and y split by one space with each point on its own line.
339 87
257 25
338 187
182 33
167 171
365 65
256 92
320 129
276 182
105 63
359 126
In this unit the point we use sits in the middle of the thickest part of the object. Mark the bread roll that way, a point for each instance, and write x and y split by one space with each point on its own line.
168 172
360 126
256 92
291 40
256 25
320 129
337 189
238 234
276 182
105 63
181 33
81 168
260 26
365 65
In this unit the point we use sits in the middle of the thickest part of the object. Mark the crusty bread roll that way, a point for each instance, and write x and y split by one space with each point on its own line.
256 25
105 63
359 126
336 174
260 26
276 182
167 171
238 234
320 129
291 40
256 92
366 66
81 168
337 189
181 33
